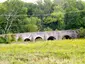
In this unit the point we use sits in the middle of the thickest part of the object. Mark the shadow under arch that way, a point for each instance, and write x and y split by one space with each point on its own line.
38 39
51 38
66 37
27 39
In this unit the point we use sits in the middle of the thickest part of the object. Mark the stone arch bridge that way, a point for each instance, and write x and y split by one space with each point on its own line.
52 35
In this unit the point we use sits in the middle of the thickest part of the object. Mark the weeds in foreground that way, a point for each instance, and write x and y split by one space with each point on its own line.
49 52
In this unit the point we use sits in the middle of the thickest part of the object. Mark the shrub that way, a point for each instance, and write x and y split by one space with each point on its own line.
81 33
13 38
8 38
20 39
2 40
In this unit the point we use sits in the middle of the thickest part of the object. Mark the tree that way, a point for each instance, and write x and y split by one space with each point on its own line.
2 10
14 12
43 9
74 13
56 19
32 24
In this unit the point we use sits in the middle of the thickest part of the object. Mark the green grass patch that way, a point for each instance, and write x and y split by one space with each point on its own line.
44 52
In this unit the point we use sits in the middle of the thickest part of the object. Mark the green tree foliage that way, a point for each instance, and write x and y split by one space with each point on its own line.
12 15
74 14
32 24
17 16
56 17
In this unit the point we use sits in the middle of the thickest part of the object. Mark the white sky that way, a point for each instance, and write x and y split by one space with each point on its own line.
22 0
27 0
30 1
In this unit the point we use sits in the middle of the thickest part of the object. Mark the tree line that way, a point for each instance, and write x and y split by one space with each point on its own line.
17 16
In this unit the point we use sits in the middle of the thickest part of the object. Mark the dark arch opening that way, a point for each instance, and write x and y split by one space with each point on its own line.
38 39
51 38
27 39
66 37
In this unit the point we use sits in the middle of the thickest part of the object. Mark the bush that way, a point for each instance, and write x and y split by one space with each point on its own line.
20 39
6 39
2 40
13 38
10 38
81 33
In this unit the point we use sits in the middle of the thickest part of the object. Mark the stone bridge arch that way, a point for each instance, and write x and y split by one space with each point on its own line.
38 35
24 36
66 37
67 34
27 39
53 35
51 38
38 38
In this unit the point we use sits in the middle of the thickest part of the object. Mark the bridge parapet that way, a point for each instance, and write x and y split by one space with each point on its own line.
52 35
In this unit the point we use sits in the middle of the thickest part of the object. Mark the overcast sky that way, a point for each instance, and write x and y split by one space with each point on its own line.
25 0
22 0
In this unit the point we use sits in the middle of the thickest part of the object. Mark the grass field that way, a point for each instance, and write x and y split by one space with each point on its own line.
45 52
